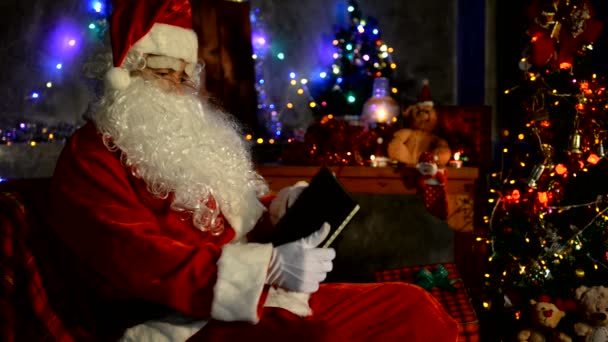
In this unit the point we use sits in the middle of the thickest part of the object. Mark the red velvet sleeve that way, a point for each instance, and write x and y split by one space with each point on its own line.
99 215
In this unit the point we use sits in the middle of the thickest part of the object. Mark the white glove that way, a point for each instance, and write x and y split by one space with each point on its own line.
285 199
300 266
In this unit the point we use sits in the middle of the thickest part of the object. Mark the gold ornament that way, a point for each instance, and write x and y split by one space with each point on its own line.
579 272
601 152
535 175
574 143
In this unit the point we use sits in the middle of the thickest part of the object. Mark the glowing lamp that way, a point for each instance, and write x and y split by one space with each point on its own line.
560 169
380 108
565 65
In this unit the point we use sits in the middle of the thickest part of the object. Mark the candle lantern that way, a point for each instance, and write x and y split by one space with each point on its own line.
381 108
456 162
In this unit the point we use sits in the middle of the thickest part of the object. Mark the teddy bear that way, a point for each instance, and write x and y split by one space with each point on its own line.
593 302
545 316
419 120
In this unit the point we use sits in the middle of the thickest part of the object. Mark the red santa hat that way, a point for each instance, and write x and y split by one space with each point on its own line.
157 27
424 98
427 158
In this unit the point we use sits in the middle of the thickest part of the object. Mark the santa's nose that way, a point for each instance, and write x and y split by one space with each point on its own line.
548 313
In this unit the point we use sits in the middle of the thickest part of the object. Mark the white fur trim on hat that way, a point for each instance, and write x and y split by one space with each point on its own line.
426 103
169 40
118 78
241 273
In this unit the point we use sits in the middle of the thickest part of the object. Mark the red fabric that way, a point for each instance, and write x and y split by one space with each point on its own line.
348 312
131 20
425 93
434 197
457 304
25 311
544 47
136 246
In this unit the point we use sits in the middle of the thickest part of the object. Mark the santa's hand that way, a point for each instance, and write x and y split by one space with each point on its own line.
300 265
285 199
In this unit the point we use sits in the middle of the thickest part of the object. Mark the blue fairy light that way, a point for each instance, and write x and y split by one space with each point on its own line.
97 6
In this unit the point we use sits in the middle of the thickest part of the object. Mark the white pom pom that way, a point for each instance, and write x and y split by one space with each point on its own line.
118 78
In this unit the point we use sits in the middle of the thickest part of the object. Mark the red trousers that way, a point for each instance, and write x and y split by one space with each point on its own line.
348 312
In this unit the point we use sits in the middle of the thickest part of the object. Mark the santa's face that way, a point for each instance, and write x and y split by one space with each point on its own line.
181 145
427 169
167 73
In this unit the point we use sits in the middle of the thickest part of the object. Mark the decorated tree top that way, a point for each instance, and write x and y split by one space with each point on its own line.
360 56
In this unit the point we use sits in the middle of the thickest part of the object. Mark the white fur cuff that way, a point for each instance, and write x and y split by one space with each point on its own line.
241 274
294 302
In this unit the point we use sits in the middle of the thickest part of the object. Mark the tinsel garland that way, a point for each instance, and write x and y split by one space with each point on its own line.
332 141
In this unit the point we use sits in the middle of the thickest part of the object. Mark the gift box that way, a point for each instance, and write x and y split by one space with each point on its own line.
452 295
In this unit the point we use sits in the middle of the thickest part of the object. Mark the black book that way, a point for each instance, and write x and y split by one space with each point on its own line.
323 200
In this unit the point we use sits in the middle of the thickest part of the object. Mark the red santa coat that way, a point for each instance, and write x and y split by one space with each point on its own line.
138 248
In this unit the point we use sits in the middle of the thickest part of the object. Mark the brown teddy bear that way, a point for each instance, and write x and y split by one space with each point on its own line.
545 316
593 302
409 143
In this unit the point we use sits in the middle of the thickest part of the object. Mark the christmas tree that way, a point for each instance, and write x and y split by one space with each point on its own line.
548 225
360 56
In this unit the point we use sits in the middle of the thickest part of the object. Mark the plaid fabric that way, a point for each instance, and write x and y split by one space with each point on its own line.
25 312
457 303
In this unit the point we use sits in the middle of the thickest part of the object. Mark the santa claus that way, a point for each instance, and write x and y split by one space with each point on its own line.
159 203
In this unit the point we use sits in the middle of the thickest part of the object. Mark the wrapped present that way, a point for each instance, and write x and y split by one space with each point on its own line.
445 284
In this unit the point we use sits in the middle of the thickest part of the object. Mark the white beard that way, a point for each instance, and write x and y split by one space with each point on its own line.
178 144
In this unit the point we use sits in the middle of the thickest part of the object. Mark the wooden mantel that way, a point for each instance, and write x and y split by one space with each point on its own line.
388 180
